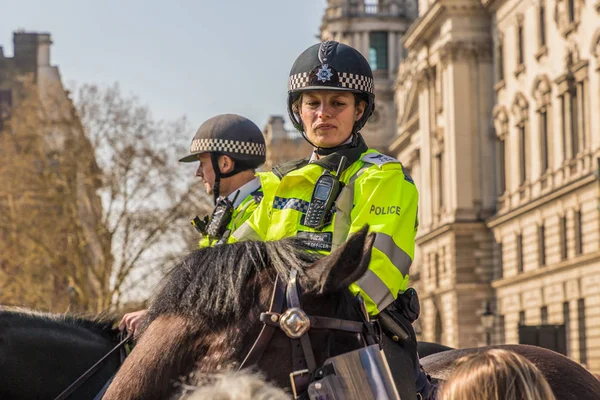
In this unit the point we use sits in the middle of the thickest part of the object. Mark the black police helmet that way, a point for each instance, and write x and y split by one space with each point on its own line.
232 135
331 66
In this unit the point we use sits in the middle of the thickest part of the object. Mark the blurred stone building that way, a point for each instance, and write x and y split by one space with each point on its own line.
52 243
375 28
283 145
499 116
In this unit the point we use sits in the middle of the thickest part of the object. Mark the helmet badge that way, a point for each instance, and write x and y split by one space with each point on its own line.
324 74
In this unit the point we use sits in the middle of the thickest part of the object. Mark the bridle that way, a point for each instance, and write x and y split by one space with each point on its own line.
286 313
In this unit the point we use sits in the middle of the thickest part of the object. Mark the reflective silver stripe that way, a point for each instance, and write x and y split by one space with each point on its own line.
374 287
385 243
243 210
344 204
359 173
245 232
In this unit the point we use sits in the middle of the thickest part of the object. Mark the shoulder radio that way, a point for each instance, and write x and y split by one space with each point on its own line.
216 225
326 190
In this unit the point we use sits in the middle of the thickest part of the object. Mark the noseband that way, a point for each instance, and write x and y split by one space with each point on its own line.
286 313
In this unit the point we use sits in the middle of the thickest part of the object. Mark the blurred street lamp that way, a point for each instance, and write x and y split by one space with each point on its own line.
487 319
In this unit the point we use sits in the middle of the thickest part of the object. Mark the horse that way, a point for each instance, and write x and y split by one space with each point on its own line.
568 379
427 348
206 316
41 354
207 313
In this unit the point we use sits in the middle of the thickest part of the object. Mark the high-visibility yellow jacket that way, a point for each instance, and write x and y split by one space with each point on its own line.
240 214
377 191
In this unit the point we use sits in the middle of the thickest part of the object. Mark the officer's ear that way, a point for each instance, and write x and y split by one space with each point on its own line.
226 164
344 266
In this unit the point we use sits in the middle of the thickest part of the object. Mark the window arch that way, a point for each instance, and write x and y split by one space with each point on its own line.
542 93
520 110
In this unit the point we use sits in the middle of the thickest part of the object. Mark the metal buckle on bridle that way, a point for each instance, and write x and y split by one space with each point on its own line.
294 322
293 376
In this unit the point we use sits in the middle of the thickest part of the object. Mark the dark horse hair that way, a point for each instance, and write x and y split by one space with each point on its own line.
102 325
209 284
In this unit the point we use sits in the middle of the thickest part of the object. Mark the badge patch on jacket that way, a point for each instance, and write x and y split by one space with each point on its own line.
316 240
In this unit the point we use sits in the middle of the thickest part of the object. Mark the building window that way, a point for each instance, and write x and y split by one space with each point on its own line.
563 125
573 116
543 118
502 163
544 315
563 238
521 318
520 45
542 244
523 152
567 323
581 117
378 50
439 160
438 328
436 264
582 336
500 61
571 4
578 233
542 24
372 6
501 126
520 109
519 253
543 96
573 94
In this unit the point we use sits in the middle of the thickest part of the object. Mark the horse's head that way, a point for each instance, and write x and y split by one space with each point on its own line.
207 314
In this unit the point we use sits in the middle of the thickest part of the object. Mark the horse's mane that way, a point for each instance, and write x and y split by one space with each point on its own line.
213 284
100 324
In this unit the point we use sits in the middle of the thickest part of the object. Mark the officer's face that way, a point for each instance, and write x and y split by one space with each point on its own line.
205 172
328 116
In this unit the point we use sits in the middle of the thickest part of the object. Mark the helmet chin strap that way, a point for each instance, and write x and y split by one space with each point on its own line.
237 168
214 159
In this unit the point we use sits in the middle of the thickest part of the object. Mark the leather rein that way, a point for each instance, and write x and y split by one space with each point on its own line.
286 313
94 368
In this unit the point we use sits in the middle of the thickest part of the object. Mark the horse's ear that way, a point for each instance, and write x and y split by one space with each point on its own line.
345 265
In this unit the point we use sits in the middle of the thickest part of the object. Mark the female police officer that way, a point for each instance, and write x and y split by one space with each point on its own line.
344 185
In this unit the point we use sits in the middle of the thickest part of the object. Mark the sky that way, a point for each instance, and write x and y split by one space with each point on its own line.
181 58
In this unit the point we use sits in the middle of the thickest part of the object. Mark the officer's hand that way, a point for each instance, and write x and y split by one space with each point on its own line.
132 321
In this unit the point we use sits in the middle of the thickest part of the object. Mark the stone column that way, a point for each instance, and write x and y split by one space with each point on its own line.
365 45
356 40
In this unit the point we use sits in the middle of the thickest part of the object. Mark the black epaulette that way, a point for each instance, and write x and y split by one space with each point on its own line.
282 170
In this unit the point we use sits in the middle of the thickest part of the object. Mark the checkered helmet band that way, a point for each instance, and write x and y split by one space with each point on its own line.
346 80
227 146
